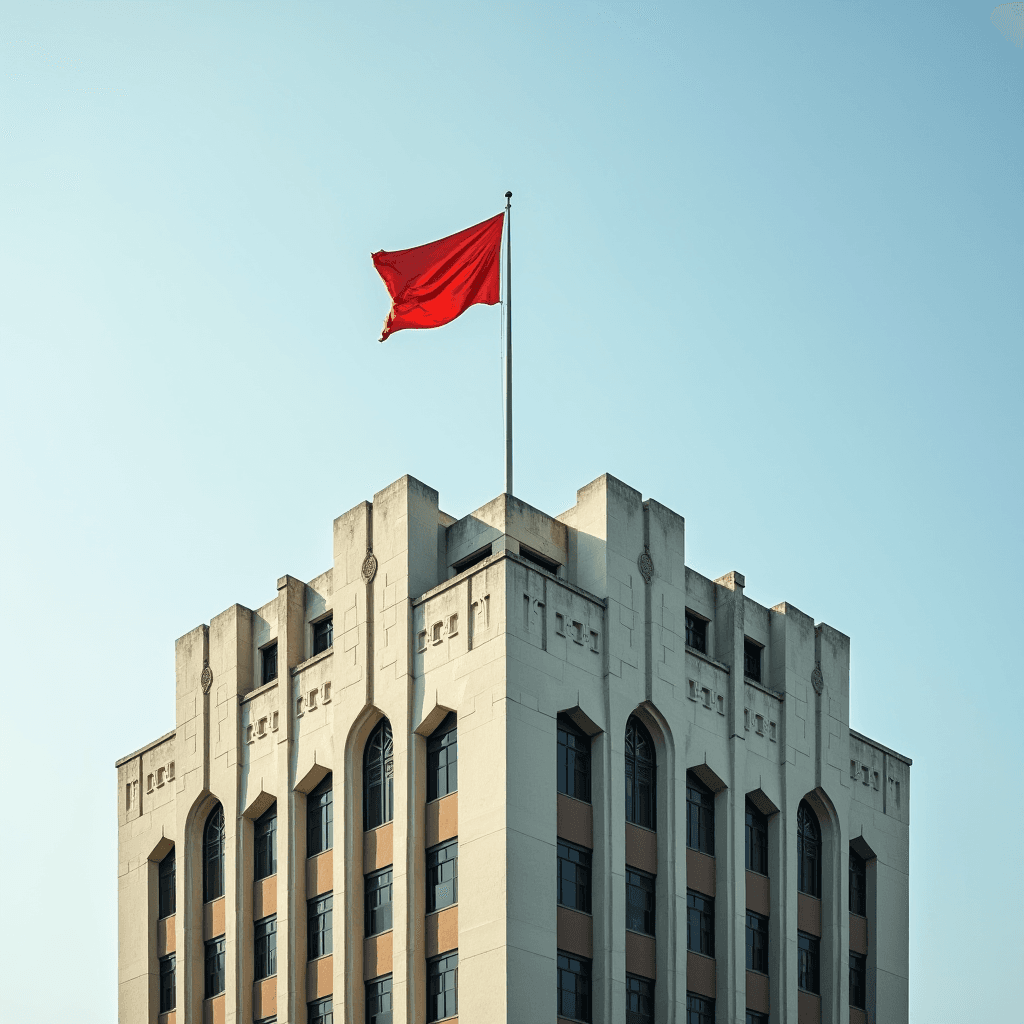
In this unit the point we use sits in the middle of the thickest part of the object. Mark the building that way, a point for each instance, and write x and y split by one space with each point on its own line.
542 770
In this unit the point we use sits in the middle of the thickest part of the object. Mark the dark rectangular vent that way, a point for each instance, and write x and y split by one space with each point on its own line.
539 560
470 560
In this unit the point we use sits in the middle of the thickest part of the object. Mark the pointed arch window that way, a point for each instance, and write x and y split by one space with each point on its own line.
379 777
808 851
640 775
213 855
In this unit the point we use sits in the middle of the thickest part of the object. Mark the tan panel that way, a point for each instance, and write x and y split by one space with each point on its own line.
808 914
575 932
319 978
640 955
759 895
700 974
858 934
319 874
700 872
165 936
442 931
808 1008
377 848
213 919
576 822
213 1010
442 819
264 998
264 900
858 1016
377 955
758 992
641 848
170 1017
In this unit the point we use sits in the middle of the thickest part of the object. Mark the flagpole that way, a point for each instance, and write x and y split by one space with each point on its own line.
508 342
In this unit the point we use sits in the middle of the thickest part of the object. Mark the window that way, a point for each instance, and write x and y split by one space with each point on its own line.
573 760
443 987
214 973
639 1000
266 844
320 817
807 962
265 932
166 885
756 840
858 884
752 659
443 876
443 759
700 816
267 1020
699 1009
700 923
321 1011
858 980
696 632
323 635
639 901
379 891
573 876
213 855
379 777
167 983
640 775
269 663
808 851
757 942
573 987
378 1001
319 915
753 1017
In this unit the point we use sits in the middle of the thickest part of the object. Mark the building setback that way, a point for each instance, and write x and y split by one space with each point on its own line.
519 768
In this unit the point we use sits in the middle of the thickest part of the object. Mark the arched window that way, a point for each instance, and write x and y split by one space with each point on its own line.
379 777
808 851
640 775
573 760
443 759
213 855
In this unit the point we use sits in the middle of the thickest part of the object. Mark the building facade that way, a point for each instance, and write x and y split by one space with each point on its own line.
542 770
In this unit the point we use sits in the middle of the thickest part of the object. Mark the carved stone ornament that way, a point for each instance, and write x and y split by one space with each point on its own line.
206 679
369 567
817 680
646 565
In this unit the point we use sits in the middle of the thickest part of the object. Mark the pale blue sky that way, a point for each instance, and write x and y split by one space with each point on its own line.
768 270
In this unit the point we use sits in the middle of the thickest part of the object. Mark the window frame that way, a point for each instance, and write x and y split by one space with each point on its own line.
439 968
319 926
808 851
858 884
574 762
700 912
168 983
757 938
384 987
755 840
437 856
265 844
700 816
379 764
443 743
581 990
214 953
858 969
268 663
697 628
808 962
753 669
699 1009
579 861
264 947
756 1017
320 817
213 855
647 884
167 886
323 628
641 760
370 912
635 985
320 1011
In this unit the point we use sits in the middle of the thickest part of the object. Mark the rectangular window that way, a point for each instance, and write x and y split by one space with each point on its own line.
443 876
266 844
269 673
573 760
756 841
699 1009
752 659
167 882
753 1017
700 817
757 942
265 942
443 987
696 632
319 924
214 963
573 987
167 987
858 884
573 876
700 923
443 760
858 980
639 901
321 1011
639 1000
320 818
378 1000
379 891
807 962
323 634
267 1020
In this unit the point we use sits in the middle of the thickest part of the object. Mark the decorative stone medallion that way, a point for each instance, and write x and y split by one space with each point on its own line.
206 679
817 680
369 566
646 565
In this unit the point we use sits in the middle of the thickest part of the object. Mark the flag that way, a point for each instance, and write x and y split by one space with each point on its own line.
434 283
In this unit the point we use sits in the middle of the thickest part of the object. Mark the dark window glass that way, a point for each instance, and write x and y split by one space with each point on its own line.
213 855
640 775
166 873
266 844
699 1009
319 925
267 1020
808 851
443 759
807 962
858 980
379 892
573 876
757 942
639 1000
379 777
700 816
443 987
700 923
321 1011
323 634
167 983
753 1017
639 901
858 884
443 875
752 660
378 1001
269 663
696 633
214 962
320 817
756 840
573 987
265 942
573 760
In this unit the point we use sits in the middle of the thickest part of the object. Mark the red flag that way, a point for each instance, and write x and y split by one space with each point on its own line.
434 283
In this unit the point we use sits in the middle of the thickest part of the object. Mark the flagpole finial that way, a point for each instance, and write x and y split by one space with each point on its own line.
508 195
